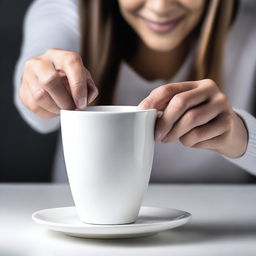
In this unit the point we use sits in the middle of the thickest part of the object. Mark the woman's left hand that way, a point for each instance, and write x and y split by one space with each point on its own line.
199 115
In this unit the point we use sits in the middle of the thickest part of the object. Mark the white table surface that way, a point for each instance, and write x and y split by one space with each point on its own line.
223 223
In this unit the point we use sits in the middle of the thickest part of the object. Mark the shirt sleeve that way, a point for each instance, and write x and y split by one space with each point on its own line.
47 24
248 160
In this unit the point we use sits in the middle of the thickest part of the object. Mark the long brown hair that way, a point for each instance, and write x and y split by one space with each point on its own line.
107 39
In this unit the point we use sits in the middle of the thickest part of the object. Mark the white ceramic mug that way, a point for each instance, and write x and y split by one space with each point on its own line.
108 154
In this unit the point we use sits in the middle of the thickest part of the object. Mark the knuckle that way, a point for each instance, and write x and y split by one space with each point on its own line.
179 102
222 98
39 95
50 80
72 58
209 82
159 92
30 63
163 90
190 117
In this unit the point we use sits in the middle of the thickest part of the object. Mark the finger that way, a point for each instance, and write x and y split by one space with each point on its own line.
40 96
65 83
91 88
30 103
214 128
195 117
178 105
54 83
160 97
92 93
212 144
71 64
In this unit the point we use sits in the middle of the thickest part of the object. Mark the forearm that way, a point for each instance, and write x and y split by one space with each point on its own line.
48 24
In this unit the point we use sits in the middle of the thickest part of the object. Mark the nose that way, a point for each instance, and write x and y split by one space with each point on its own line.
160 7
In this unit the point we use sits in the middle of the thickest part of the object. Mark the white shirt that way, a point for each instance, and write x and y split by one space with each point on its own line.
55 24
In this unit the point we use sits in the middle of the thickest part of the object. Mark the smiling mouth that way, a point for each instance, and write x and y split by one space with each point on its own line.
162 27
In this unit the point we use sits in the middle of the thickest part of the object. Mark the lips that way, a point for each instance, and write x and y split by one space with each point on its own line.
162 27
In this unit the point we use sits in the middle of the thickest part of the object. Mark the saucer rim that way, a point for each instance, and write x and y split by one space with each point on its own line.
185 216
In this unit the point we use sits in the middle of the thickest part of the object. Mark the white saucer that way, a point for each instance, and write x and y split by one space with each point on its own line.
150 221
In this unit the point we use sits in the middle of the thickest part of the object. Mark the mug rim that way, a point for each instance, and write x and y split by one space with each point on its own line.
131 109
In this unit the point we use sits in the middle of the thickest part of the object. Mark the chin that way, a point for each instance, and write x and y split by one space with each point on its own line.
162 45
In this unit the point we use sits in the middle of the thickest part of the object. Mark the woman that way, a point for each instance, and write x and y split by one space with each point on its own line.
137 52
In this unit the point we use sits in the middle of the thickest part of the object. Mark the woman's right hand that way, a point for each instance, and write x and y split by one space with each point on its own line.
56 80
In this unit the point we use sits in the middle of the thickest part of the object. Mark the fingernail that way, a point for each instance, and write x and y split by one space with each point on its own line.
91 83
82 103
141 106
164 140
92 97
159 113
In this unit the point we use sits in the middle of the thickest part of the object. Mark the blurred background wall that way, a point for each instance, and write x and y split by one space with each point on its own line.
24 154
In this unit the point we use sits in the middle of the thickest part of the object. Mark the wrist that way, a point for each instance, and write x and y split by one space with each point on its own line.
239 137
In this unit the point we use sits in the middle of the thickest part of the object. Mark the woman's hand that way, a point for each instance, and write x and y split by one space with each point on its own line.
56 80
199 115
